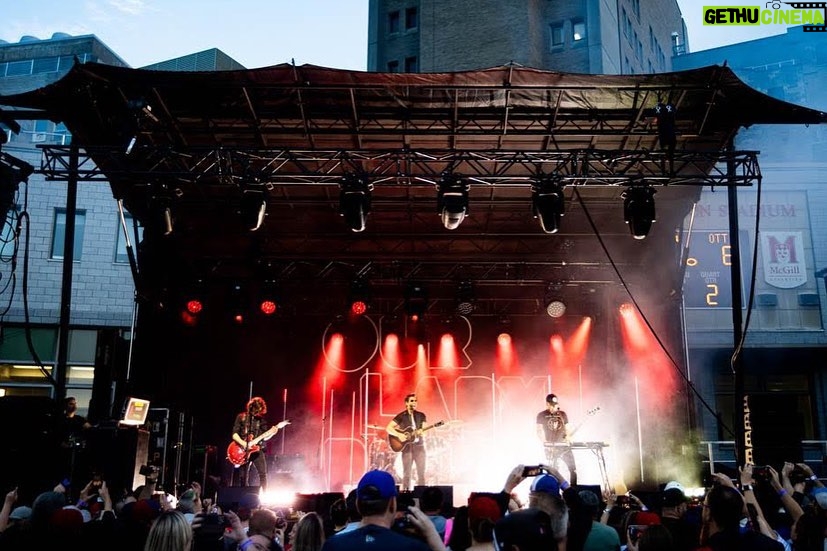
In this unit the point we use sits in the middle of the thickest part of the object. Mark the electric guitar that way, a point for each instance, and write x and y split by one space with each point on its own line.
238 455
398 444
582 422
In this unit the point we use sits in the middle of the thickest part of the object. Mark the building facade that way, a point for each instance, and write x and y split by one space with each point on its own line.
785 340
103 291
593 36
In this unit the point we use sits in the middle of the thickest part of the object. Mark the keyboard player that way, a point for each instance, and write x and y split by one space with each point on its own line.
554 431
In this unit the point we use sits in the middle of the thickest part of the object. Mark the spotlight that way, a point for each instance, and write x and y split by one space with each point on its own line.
253 207
416 301
639 209
452 200
268 301
665 115
555 306
359 296
194 306
504 339
465 298
548 202
354 201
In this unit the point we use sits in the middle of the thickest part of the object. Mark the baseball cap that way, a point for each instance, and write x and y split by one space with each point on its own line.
376 484
21 513
673 494
529 529
483 508
546 483
644 517
551 399
820 495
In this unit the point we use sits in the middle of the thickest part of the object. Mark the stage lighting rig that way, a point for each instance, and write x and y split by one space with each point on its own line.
12 172
253 206
548 202
553 300
639 209
465 298
452 200
354 201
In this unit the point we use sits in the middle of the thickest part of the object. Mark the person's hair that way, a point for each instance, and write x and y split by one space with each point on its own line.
353 513
553 506
371 507
431 499
460 537
262 522
809 531
309 533
257 406
725 506
338 512
482 530
409 396
656 538
169 532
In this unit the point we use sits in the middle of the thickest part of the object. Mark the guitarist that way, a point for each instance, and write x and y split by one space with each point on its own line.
408 426
553 428
249 425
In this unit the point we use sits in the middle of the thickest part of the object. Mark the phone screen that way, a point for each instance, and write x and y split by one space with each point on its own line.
532 470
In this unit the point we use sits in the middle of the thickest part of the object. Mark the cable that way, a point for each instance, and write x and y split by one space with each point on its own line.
645 319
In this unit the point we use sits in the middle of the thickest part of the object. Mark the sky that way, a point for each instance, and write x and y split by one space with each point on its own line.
256 33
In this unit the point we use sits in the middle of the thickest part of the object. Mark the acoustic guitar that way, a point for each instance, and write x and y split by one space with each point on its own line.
398 444
238 455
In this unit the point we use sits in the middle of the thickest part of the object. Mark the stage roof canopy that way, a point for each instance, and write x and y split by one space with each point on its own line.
204 143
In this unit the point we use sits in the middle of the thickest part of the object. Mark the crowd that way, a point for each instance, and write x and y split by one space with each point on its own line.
760 510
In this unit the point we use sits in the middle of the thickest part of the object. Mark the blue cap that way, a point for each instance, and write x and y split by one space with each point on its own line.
376 484
546 483
820 495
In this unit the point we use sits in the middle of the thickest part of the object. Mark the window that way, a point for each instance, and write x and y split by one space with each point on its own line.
393 22
59 233
17 68
556 36
578 29
411 65
45 65
411 19
120 242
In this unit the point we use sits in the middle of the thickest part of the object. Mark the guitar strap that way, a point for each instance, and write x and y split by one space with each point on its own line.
413 426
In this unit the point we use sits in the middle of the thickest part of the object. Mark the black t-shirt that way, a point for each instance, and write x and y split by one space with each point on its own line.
257 426
554 425
377 538
403 421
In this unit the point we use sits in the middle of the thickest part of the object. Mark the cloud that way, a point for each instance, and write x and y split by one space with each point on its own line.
130 7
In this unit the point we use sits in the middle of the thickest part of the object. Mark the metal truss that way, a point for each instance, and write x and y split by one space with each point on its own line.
406 168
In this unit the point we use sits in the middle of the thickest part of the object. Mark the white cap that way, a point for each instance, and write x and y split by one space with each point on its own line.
673 485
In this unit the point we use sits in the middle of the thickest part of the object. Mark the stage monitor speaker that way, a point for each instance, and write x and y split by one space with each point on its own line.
777 430
318 503
447 507
110 369
231 497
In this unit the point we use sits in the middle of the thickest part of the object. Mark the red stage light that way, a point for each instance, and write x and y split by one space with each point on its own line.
268 307
358 307
238 318
415 317
194 306
504 339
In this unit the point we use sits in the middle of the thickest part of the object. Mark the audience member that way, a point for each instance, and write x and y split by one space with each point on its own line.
376 502
308 533
674 506
723 509
525 530
483 514
431 504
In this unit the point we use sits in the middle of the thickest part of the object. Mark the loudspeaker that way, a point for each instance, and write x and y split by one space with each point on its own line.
117 453
447 507
32 460
232 497
777 430
110 367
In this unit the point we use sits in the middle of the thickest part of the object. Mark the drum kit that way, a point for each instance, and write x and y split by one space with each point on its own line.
438 445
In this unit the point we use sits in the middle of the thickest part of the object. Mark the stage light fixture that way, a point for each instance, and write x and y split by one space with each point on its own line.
452 200
354 201
416 301
554 303
465 298
665 114
268 300
359 296
237 302
253 206
639 209
161 212
548 202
